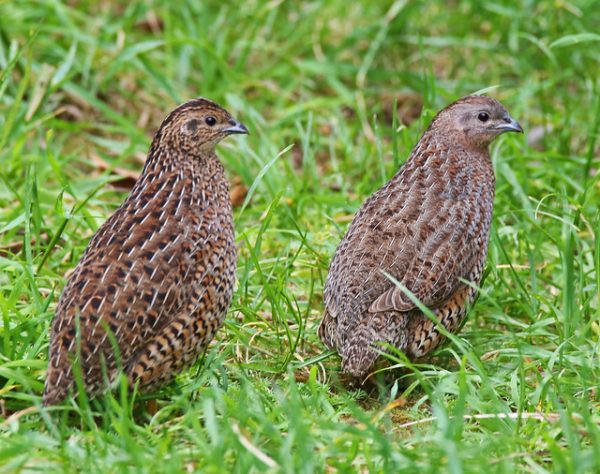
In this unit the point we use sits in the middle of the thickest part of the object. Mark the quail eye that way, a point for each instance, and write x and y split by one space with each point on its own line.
210 120
483 116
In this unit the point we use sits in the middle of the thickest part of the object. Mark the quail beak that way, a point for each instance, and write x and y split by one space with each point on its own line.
510 125
236 127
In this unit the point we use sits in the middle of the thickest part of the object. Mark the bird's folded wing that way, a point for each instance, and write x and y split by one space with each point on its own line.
447 257
431 295
132 275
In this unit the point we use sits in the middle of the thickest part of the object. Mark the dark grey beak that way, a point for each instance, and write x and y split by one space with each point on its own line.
510 125
236 127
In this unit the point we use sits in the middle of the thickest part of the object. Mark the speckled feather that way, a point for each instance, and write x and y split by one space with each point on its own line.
428 228
159 274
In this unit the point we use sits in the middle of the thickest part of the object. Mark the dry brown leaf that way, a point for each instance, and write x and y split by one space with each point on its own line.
14 248
239 191
127 178
152 23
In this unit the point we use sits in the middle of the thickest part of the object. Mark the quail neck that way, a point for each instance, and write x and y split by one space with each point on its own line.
157 278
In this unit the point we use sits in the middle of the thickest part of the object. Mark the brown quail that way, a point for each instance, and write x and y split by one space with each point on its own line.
428 228
156 280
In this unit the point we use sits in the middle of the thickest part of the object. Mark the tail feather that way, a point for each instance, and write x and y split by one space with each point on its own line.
57 386
362 346
328 331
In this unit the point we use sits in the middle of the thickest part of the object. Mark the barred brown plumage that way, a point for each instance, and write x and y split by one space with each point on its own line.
158 275
428 228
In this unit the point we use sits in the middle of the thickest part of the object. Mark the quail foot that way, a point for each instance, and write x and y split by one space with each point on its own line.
156 279
428 228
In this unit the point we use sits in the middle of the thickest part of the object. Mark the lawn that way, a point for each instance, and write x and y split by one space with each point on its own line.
335 94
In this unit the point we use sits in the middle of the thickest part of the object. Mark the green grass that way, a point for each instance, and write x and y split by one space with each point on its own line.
316 82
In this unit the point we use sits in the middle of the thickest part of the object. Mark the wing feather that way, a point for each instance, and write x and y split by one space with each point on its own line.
128 283
451 249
